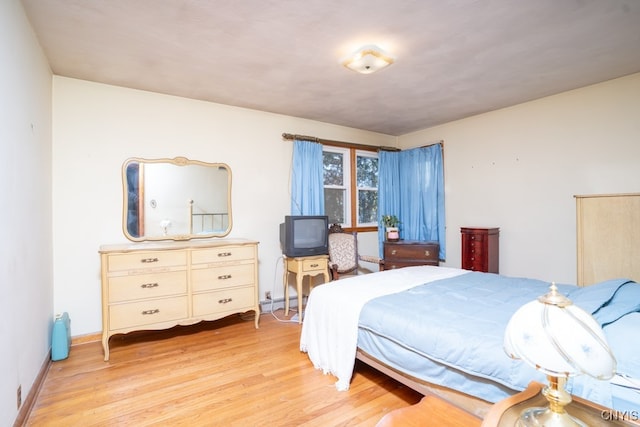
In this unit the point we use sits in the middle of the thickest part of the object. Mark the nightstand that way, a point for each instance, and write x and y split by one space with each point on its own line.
507 411
310 266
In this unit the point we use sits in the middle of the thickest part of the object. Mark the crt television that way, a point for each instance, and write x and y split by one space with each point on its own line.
304 235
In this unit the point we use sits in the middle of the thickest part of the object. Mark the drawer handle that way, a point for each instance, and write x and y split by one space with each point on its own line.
427 253
154 311
314 265
224 254
393 252
148 260
149 285
225 300
224 277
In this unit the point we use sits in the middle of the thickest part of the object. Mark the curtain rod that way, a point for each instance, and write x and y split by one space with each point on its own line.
441 142
292 137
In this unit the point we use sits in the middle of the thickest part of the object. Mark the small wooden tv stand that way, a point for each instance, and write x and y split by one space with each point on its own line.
303 266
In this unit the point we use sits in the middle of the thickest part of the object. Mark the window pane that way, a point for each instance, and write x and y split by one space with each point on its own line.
367 206
333 168
367 175
334 205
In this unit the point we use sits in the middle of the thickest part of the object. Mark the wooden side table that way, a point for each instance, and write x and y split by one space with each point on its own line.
303 266
431 411
507 411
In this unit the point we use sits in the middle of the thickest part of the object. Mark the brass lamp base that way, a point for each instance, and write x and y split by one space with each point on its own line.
539 417
554 415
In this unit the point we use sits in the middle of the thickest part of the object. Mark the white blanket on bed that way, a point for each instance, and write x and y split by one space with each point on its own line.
330 326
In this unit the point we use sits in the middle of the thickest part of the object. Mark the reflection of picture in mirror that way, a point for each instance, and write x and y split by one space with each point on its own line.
133 223
176 199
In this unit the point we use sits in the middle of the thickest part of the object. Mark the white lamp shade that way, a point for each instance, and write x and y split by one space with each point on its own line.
559 341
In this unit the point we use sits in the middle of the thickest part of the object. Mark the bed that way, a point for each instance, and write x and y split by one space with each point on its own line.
440 330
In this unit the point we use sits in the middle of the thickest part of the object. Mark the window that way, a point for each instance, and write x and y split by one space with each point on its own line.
337 178
351 186
367 188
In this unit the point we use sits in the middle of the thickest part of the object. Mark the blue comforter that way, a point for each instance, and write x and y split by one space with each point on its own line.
460 323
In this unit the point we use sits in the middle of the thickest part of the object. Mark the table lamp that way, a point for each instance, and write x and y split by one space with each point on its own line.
561 340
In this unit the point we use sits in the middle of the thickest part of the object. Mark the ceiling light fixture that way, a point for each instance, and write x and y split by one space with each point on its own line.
368 59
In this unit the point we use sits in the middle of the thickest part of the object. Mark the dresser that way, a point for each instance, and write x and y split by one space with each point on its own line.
405 253
158 285
480 249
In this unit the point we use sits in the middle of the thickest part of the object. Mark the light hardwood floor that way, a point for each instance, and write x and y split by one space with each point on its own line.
222 373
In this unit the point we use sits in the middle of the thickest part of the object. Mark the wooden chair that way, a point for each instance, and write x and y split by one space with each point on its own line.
343 252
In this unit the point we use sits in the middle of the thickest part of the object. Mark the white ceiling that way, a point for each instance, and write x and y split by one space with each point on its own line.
454 58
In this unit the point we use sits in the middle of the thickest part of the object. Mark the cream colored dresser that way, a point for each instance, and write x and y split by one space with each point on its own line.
163 284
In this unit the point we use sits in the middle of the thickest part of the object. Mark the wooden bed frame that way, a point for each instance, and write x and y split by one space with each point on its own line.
471 404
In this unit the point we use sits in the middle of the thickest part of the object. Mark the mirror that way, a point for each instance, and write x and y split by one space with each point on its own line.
175 199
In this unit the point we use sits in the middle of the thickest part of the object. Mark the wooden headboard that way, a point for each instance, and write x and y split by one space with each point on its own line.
608 232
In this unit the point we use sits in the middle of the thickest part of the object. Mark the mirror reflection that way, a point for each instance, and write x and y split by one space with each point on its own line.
175 199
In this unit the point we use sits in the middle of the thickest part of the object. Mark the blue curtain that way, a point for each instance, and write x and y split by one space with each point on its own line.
411 186
388 180
307 184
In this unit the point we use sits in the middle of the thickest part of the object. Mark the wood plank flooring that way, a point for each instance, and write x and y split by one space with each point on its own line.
222 373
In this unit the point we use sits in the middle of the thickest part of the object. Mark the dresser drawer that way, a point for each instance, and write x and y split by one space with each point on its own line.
228 300
146 260
476 248
320 264
476 265
139 286
418 251
392 264
479 237
140 313
405 253
203 279
223 254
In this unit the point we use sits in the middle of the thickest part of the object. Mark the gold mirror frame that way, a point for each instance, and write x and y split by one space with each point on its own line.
175 199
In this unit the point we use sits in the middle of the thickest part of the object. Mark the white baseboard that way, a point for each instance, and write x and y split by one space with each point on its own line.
278 304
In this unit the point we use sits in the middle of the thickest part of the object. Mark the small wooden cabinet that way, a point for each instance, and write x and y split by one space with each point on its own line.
480 249
161 285
310 267
405 253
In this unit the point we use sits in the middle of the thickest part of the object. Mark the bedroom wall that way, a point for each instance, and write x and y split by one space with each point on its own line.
98 126
518 169
26 284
